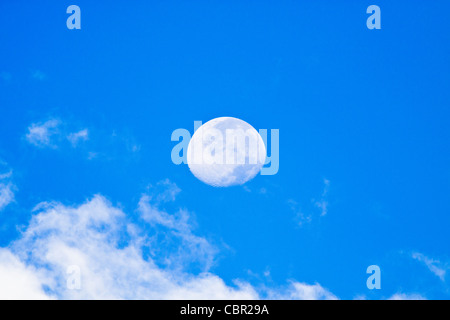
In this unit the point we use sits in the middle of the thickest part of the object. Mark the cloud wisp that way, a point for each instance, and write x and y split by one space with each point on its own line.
119 258
406 296
305 216
41 134
302 291
322 203
76 137
52 133
6 187
6 195
93 143
435 266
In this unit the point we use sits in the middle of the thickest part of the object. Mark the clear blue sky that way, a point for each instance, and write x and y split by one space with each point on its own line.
363 115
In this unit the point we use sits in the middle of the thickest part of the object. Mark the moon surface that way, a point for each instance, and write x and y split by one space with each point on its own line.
225 152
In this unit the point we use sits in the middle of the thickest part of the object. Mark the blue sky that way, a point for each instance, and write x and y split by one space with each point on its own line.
363 119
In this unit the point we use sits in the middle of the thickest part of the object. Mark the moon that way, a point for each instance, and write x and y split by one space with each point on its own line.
226 152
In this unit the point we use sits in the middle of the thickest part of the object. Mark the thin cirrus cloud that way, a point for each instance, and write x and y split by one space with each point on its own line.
42 134
435 266
117 257
51 133
76 137
57 134
177 233
6 187
322 203
6 195
300 216
304 216
407 296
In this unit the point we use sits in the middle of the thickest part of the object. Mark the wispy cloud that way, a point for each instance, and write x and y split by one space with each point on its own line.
405 296
259 191
304 216
6 187
52 134
6 195
299 216
435 266
75 137
116 257
164 191
180 245
322 203
40 134
6 175
57 134
302 291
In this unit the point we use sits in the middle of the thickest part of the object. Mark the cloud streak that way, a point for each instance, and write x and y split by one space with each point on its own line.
405 296
6 188
434 266
6 195
322 204
303 216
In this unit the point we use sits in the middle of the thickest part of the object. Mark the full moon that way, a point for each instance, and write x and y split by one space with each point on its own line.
225 152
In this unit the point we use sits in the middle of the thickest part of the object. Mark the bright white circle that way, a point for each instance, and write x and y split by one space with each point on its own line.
226 151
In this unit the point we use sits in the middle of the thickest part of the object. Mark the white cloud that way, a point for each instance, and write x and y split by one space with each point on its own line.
5 175
75 137
52 133
211 287
300 217
404 296
176 237
17 280
6 195
106 246
260 191
322 204
433 265
302 291
40 134
6 187
58 134
116 260
164 191
304 216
